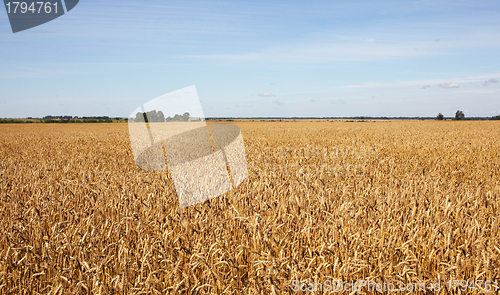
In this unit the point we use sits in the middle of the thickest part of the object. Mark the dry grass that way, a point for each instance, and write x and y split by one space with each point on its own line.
385 201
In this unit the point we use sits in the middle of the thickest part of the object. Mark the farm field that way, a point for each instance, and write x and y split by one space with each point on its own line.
401 202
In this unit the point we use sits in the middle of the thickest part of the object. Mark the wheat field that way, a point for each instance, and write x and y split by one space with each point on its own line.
401 201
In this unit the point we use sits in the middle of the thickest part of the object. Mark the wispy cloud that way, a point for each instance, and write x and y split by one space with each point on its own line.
448 85
368 85
343 51
443 83
481 91
265 94
492 80
364 44
338 101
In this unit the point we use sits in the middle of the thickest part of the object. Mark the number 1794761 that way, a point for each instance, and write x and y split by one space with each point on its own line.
35 7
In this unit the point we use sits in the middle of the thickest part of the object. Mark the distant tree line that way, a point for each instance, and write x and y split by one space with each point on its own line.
179 118
58 117
76 117
7 121
158 116
77 120
459 115
151 116
439 117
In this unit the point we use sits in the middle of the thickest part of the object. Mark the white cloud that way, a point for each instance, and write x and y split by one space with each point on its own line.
418 83
265 94
426 86
448 85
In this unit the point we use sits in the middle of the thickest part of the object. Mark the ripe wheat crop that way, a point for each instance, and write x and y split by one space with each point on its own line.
398 202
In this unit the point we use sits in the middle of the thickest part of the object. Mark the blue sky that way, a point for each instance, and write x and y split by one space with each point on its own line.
256 58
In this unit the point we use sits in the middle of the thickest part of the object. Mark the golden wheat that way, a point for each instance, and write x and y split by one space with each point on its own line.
382 201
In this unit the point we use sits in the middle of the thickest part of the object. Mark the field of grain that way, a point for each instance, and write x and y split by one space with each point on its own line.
411 201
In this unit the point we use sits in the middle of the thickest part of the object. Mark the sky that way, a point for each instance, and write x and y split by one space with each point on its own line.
258 58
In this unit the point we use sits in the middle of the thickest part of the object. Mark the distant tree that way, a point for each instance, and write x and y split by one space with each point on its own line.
139 117
177 118
459 115
440 117
151 116
160 117
495 117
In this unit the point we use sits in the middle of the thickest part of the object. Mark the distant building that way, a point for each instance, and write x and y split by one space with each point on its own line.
194 119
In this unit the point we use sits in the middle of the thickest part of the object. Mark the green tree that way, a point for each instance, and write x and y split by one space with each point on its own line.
151 116
459 115
177 118
139 117
440 117
160 117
